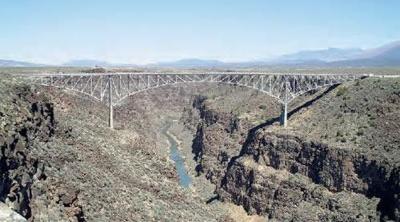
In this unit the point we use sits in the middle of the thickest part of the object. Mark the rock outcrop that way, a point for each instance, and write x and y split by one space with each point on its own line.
266 174
27 122
216 140
290 178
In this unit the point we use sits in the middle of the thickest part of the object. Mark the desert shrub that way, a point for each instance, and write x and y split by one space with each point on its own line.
372 123
360 132
341 91
95 70
263 107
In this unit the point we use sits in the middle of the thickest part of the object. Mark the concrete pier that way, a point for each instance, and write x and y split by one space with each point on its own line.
284 115
110 103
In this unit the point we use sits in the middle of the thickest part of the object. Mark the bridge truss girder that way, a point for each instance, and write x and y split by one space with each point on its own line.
113 88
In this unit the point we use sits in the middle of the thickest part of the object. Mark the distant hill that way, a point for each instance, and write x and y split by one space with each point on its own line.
87 63
94 63
380 50
190 63
13 63
326 55
387 55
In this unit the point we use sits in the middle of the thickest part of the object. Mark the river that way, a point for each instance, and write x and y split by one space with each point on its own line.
184 179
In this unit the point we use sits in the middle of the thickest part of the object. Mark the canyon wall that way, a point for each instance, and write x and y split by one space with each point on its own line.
288 177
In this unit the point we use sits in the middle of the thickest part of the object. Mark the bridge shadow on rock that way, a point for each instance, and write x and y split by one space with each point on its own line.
197 149
312 101
269 122
253 132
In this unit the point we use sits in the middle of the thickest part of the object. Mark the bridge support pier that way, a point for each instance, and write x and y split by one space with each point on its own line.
285 105
110 104
284 114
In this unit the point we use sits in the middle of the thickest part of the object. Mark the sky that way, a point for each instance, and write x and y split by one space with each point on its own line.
140 32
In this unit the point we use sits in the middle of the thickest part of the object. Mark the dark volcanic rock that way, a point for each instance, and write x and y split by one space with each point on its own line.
336 170
18 170
291 197
211 154
27 121
290 178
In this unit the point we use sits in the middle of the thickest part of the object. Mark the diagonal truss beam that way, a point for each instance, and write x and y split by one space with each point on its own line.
116 87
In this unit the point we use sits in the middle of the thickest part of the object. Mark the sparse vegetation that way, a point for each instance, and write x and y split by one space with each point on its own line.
352 118
348 120
360 132
342 91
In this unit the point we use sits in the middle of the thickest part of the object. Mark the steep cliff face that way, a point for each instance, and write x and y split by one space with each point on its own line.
264 181
27 120
367 188
336 168
283 196
217 140
341 171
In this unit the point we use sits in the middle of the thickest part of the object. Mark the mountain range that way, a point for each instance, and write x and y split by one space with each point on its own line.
384 56
13 63
326 55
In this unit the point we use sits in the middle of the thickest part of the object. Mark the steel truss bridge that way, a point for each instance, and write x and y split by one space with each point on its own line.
113 88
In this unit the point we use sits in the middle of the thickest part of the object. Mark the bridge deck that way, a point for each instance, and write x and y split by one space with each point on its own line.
115 87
